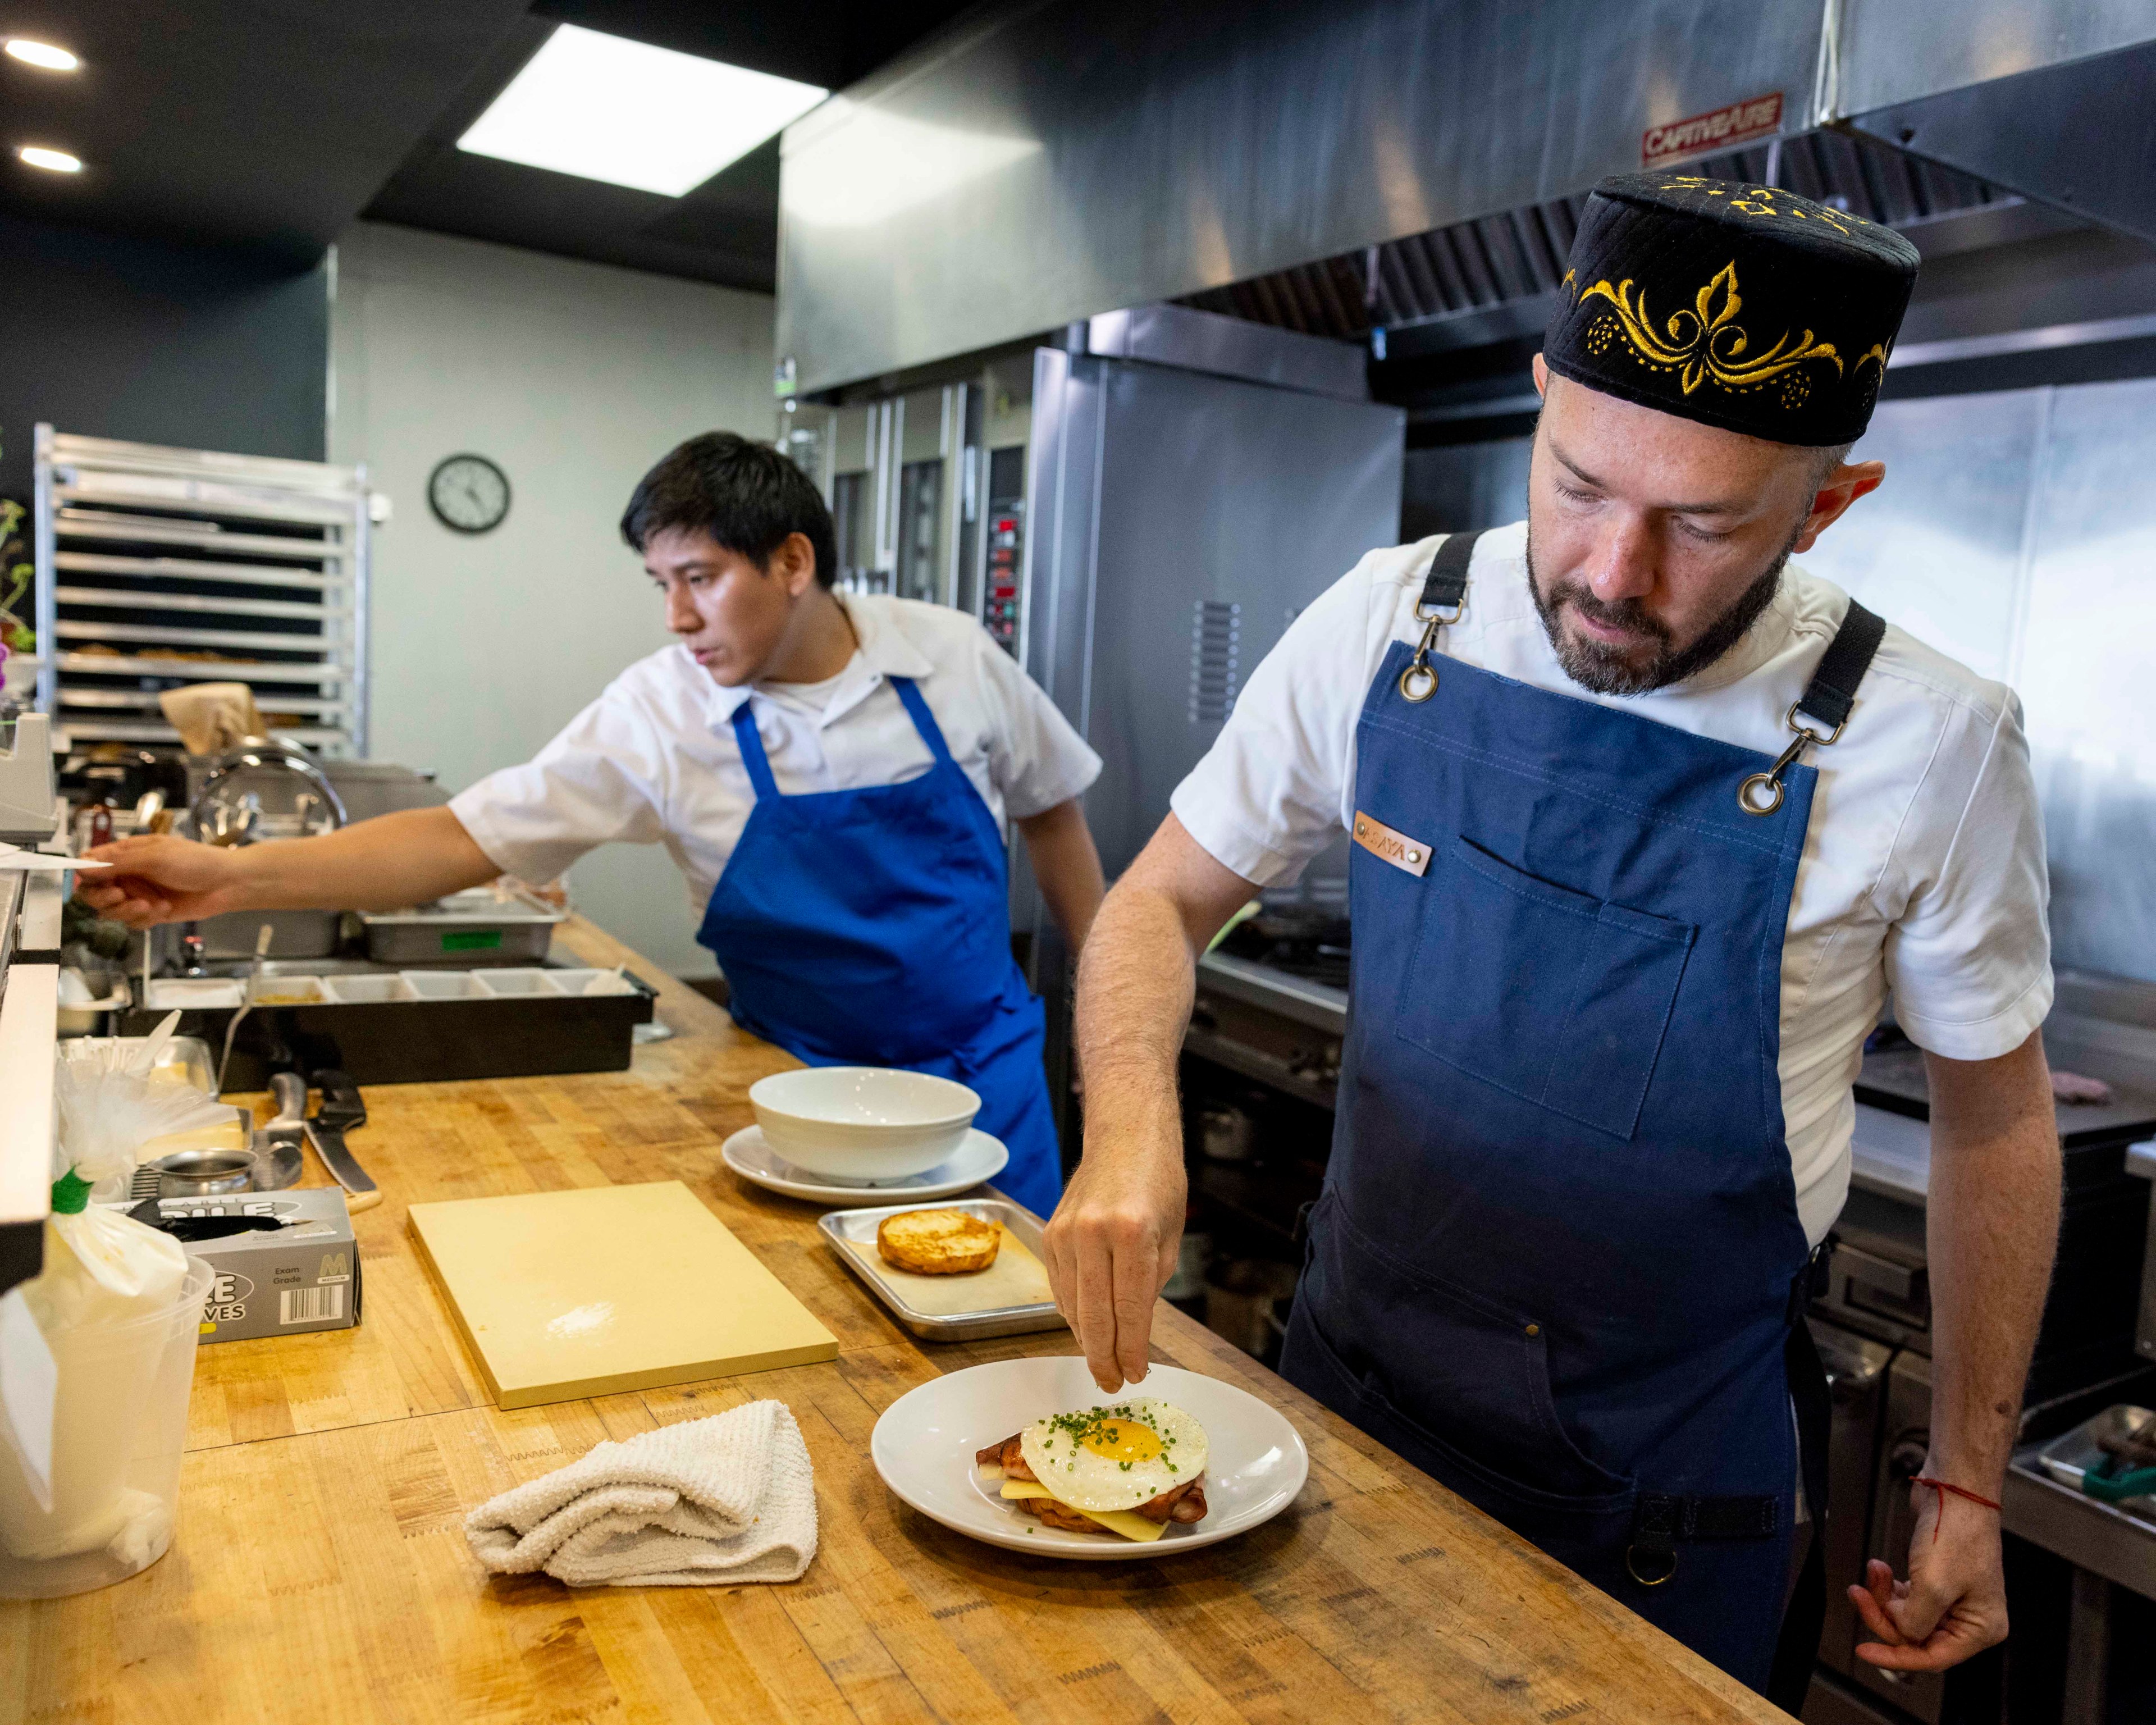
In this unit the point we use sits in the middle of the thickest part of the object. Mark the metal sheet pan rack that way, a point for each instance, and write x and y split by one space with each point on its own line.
159 567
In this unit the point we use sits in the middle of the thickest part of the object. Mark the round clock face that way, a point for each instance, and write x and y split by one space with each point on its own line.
469 494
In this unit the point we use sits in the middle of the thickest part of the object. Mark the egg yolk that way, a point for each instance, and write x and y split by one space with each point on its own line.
1123 1440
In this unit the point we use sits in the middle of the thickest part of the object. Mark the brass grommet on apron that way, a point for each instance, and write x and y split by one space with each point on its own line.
1667 1559
1418 682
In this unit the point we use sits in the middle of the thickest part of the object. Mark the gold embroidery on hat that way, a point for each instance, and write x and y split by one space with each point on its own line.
1706 341
1759 201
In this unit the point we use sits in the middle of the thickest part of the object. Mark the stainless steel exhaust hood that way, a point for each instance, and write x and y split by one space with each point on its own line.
1044 162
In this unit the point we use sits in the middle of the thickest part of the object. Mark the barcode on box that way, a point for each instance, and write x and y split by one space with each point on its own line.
310 1306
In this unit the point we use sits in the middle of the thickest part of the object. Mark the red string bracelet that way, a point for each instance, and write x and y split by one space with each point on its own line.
1943 1487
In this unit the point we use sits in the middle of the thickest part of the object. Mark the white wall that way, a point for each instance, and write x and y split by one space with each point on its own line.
574 378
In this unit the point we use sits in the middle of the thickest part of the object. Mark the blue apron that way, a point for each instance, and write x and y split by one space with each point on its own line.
871 927
1556 1262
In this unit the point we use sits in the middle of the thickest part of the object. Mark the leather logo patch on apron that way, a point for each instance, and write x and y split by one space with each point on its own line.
1410 855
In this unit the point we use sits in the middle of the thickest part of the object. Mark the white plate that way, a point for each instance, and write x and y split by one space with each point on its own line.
980 1157
923 1446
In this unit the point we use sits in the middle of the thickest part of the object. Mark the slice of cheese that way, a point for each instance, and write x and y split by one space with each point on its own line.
1128 1522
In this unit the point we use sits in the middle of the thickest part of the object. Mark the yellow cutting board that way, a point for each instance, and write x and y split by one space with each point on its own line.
606 1288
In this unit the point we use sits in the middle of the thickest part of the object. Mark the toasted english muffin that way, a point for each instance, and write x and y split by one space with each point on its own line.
938 1242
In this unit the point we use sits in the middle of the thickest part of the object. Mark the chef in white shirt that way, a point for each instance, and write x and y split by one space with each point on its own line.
834 775
1647 822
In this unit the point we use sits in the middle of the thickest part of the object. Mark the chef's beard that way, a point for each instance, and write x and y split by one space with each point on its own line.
1606 669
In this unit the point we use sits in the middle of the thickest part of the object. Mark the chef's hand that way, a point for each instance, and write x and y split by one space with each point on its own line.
1112 1247
158 878
1954 1604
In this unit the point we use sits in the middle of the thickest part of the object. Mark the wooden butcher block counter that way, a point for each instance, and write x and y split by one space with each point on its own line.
319 1572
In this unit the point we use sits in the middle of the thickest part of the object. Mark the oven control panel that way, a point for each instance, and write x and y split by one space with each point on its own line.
1000 601
1000 595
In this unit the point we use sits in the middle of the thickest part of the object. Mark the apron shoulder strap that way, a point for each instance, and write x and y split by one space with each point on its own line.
1832 690
1826 700
1445 586
752 755
924 721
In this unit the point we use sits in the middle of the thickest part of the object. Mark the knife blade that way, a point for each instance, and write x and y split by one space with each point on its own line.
340 1111
277 1158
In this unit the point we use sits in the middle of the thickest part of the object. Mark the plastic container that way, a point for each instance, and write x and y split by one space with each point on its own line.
500 922
445 985
592 982
184 1060
515 984
191 994
288 991
119 1424
367 990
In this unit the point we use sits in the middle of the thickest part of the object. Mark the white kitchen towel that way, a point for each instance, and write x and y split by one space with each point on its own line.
728 1499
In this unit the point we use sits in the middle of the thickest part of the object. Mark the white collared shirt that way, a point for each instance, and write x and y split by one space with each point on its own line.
654 760
1922 867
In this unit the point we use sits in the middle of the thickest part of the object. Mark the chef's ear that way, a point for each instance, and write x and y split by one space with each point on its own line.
1839 487
794 564
1542 376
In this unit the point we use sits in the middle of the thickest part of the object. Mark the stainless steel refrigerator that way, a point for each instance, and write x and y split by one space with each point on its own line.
1178 520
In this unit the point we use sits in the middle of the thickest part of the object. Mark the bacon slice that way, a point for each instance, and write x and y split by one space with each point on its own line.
1184 1503
1009 1455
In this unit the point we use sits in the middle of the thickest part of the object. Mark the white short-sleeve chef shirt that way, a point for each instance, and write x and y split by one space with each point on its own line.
1922 867
654 760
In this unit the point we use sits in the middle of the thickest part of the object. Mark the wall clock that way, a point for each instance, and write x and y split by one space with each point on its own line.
469 494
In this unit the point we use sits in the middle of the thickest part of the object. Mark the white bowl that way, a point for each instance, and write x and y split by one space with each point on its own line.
863 1124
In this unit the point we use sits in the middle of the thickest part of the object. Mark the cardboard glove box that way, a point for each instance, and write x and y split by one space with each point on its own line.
276 1282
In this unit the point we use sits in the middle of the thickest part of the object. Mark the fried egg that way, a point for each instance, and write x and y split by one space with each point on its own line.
1115 1457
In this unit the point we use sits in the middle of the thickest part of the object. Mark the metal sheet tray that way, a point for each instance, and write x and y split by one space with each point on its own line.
839 1226
501 924
2066 1458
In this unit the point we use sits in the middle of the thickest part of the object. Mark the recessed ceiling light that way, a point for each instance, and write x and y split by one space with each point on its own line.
604 108
57 162
42 53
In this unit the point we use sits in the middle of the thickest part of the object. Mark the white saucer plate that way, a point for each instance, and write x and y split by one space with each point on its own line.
980 1157
924 1446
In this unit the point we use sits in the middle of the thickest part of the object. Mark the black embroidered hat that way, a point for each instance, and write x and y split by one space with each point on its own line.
1737 305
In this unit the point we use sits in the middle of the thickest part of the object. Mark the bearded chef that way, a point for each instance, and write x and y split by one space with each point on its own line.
1647 823
833 773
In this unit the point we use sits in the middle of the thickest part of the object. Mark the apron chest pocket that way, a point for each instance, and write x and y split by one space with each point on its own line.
1555 996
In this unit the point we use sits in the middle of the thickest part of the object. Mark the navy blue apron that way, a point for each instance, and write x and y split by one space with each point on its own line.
871 927
1556 1263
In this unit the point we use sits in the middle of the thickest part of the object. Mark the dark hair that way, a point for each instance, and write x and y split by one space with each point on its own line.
746 495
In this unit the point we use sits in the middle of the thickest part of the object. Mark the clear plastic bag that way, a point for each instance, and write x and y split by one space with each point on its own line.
113 1105
108 1296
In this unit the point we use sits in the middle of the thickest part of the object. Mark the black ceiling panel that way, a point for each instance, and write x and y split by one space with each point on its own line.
266 123
271 124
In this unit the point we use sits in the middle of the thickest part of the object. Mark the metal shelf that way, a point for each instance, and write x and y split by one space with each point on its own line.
112 527
212 520
197 670
144 702
158 635
96 731
115 597
193 568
